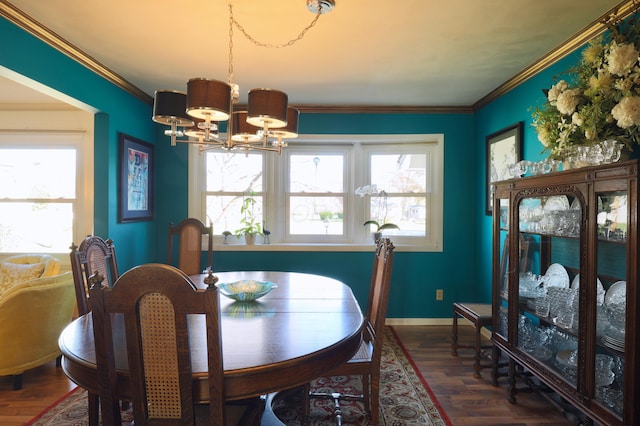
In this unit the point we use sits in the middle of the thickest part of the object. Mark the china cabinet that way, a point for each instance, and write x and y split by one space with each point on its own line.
565 272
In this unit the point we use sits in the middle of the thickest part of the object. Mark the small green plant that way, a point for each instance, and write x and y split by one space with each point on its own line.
251 226
380 227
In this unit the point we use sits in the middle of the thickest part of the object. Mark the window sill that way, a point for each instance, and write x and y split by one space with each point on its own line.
286 247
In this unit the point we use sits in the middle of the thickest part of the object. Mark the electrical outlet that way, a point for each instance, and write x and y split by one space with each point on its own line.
439 294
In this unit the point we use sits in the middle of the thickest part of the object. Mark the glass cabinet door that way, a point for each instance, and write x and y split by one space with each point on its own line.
503 292
610 299
548 296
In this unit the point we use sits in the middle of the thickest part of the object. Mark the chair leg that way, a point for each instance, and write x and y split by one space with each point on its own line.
306 404
94 407
17 381
374 397
366 392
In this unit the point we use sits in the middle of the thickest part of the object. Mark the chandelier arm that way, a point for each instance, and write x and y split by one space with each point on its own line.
269 45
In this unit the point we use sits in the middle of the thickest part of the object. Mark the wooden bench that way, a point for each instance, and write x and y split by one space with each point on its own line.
479 314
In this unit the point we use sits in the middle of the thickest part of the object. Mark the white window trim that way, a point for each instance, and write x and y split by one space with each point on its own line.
433 243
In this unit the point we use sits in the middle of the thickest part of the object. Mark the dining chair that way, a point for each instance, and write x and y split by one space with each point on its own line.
190 232
157 302
366 361
94 256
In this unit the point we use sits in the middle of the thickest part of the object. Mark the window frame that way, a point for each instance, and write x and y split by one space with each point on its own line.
82 204
356 236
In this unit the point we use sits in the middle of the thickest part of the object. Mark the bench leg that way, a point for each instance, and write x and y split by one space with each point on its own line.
454 335
478 354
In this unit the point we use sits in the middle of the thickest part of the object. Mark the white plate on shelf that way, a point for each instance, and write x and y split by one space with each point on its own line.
556 203
575 285
556 276
617 293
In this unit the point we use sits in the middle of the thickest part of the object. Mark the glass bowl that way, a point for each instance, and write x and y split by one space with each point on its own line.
246 290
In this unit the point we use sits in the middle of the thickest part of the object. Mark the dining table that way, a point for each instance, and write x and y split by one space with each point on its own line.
300 330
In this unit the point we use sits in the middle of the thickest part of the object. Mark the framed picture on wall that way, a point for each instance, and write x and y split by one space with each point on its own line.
135 179
504 148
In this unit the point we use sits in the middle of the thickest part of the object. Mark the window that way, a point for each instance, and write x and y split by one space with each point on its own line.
307 195
39 195
229 178
315 192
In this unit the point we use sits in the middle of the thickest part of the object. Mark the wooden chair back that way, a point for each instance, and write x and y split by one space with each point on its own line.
155 301
94 255
379 298
366 362
190 233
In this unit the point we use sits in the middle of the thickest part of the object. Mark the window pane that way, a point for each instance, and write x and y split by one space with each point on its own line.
316 215
399 172
409 213
316 173
224 212
37 173
234 172
405 200
36 227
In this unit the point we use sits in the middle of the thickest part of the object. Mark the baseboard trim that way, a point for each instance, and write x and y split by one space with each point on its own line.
419 321
436 321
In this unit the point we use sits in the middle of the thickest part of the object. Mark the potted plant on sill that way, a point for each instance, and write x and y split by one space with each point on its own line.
373 191
250 225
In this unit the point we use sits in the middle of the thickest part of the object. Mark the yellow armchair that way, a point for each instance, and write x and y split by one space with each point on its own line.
51 265
32 316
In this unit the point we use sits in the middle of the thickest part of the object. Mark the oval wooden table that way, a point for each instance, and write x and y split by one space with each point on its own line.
294 334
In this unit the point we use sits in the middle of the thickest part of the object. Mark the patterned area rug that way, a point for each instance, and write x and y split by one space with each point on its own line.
405 398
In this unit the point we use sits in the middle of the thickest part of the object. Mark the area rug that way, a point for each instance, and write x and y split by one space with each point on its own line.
405 398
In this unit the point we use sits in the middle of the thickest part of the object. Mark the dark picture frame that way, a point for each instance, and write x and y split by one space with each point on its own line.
135 179
504 148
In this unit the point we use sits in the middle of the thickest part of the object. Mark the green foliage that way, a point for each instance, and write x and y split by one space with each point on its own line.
250 224
380 227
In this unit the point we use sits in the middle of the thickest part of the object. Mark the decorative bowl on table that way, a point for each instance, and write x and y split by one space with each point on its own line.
246 290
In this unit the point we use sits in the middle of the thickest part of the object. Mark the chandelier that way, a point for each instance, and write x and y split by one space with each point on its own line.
265 125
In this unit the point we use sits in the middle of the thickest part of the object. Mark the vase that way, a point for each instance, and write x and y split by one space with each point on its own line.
249 239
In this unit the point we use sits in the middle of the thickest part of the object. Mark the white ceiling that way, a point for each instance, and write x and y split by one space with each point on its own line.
413 53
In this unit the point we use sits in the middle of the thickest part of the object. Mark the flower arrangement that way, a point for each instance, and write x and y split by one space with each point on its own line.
602 99
382 207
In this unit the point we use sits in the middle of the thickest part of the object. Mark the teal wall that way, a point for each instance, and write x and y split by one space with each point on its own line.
512 107
118 112
462 269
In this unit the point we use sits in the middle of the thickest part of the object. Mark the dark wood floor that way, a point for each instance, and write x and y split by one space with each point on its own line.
467 401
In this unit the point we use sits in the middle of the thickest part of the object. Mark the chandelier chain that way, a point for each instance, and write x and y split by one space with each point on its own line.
230 70
270 45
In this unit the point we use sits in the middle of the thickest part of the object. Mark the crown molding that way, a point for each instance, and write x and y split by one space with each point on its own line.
621 11
27 23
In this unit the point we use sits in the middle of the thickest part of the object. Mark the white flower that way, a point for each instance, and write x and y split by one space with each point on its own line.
556 89
568 101
627 112
367 190
622 58
576 119
543 137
